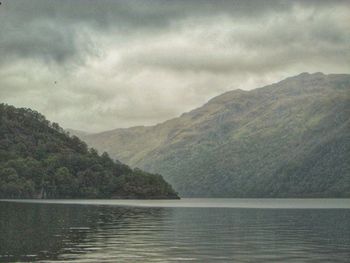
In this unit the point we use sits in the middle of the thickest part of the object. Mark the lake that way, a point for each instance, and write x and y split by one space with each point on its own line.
187 230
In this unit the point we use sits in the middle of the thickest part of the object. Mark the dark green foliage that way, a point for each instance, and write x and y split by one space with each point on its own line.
38 159
142 185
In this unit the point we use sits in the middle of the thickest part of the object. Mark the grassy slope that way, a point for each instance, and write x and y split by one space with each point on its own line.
286 139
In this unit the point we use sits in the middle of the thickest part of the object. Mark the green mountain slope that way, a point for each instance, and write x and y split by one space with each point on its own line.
39 160
288 139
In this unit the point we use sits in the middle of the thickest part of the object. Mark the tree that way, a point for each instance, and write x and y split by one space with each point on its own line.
38 157
65 184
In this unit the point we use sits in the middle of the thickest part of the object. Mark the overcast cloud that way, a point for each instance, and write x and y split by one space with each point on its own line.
99 65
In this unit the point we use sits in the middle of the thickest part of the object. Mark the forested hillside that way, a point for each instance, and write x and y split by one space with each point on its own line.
38 159
288 139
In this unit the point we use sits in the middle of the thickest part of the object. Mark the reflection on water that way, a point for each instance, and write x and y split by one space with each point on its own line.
86 233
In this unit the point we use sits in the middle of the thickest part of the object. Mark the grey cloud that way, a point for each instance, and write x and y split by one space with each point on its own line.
261 49
135 13
49 43
51 29
97 65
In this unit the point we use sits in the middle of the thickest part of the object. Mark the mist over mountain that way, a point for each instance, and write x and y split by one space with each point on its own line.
288 139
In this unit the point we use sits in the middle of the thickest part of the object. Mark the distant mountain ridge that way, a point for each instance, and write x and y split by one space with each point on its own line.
288 139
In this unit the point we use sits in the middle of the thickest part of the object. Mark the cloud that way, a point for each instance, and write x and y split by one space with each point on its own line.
97 65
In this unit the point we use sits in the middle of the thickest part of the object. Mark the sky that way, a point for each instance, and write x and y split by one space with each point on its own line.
99 65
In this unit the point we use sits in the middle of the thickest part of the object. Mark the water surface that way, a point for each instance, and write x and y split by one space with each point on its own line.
188 230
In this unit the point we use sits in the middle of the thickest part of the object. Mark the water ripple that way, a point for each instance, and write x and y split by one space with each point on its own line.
75 233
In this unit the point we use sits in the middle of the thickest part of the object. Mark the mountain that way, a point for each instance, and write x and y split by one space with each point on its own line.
288 139
38 159
77 133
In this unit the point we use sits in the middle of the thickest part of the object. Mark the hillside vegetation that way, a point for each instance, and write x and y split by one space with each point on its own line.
38 159
288 139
